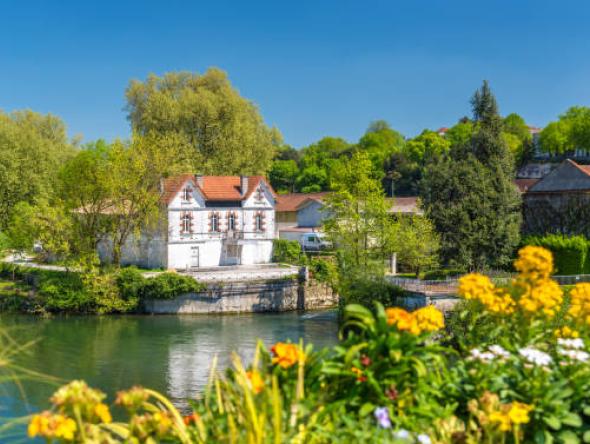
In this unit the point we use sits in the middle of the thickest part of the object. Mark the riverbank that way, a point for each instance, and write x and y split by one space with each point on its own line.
41 291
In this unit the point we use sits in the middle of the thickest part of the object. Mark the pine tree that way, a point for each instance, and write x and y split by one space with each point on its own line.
470 196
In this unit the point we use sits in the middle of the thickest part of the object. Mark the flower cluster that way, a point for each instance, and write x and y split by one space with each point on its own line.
566 332
511 415
535 356
534 263
580 303
478 287
545 296
426 319
50 425
287 355
493 352
157 424
572 349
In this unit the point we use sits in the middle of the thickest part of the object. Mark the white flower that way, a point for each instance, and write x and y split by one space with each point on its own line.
499 351
577 343
423 439
576 355
477 354
535 356
401 434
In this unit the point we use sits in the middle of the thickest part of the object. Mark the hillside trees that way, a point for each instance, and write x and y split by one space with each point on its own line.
225 132
571 131
470 197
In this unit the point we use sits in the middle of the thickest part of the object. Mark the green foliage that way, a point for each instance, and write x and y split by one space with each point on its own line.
286 251
221 132
32 149
428 145
282 175
470 198
416 243
571 131
442 274
169 285
366 290
324 270
570 253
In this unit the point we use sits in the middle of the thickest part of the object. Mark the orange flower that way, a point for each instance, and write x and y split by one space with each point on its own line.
256 381
359 374
286 355
402 319
189 419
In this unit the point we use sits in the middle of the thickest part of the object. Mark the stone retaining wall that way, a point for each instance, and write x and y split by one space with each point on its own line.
269 296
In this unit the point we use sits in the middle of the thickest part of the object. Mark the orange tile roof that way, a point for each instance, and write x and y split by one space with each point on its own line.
290 202
214 188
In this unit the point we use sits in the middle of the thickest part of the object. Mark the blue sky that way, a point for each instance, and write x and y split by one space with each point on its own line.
315 68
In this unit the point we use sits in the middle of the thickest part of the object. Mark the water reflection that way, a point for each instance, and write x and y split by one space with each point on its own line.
171 354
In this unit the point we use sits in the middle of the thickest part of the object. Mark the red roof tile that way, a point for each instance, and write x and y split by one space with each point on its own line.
290 202
214 188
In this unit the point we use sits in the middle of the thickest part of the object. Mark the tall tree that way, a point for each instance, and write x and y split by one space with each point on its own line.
32 149
225 132
470 196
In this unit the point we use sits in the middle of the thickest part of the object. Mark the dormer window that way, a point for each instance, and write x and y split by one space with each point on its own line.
186 194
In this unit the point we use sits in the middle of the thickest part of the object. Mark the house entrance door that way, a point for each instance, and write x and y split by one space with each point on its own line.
194 257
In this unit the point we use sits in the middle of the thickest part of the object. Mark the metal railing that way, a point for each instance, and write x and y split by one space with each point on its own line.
450 285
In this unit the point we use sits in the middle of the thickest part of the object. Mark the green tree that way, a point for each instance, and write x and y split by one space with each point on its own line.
470 197
428 145
32 148
225 132
416 242
282 175
358 215
380 142
460 134
555 137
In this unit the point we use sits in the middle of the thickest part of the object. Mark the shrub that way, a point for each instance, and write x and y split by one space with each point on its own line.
169 286
130 282
366 291
569 253
287 251
442 274
324 271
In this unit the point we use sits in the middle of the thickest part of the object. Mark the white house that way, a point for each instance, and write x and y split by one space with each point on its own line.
208 221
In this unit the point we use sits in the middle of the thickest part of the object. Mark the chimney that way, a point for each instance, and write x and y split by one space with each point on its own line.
243 185
199 179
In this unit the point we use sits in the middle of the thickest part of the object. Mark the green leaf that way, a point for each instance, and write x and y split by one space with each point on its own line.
572 419
568 437
366 409
587 436
552 422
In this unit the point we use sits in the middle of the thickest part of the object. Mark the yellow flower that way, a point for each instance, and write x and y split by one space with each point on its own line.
286 355
519 413
580 302
429 318
76 392
132 399
256 381
566 332
543 296
102 411
359 374
534 263
39 425
402 319
502 419
475 286
51 425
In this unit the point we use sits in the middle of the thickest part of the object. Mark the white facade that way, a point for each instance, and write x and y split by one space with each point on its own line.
206 233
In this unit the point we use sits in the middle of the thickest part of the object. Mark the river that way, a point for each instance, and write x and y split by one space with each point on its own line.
171 354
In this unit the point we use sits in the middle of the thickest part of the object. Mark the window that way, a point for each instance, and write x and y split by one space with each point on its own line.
186 223
214 222
259 194
259 221
231 221
186 194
